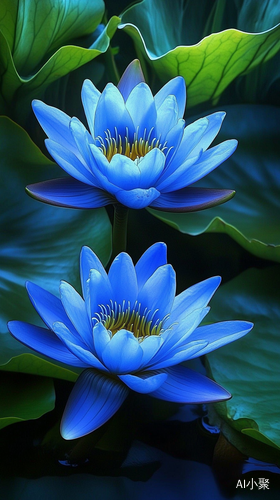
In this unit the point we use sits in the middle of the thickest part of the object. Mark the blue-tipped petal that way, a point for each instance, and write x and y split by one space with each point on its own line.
69 162
49 307
68 192
123 172
174 171
150 346
101 337
209 160
123 353
159 291
214 124
142 110
94 400
98 292
75 309
186 386
45 342
219 334
195 297
123 280
100 168
191 199
191 350
82 139
153 258
130 78
78 350
176 87
150 168
167 117
173 141
137 198
144 383
55 124
88 261
179 334
90 98
111 114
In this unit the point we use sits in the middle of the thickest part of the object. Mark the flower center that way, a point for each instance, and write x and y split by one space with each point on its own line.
138 148
115 317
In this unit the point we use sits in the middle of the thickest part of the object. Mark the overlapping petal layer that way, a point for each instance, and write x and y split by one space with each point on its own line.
138 152
130 332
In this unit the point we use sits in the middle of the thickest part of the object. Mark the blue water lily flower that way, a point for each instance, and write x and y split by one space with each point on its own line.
128 332
138 152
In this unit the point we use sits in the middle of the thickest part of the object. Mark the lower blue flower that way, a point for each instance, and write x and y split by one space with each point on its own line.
128 332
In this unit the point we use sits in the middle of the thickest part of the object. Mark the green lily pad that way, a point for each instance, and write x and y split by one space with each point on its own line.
252 217
208 66
40 243
33 50
249 368
24 398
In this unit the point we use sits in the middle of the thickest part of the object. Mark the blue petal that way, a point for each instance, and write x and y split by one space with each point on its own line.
186 386
82 139
78 350
123 280
43 341
153 258
144 115
209 160
150 167
100 168
130 78
149 382
93 400
167 117
137 198
90 97
214 124
150 346
175 340
191 199
195 297
176 87
191 350
123 353
49 307
122 172
98 291
68 192
173 141
158 292
174 171
219 334
101 338
69 162
75 309
112 115
88 261
55 124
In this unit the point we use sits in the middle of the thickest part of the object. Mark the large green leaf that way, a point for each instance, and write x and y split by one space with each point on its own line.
33 50
35 29
250 368
39 243
252 217
24 398
208 66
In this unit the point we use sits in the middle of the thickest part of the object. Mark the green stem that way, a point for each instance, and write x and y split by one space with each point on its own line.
119 229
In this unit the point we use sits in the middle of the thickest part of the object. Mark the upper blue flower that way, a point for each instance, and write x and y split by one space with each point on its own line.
138 152
129 331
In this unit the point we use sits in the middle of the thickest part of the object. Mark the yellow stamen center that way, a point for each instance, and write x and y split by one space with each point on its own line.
138 148
116 317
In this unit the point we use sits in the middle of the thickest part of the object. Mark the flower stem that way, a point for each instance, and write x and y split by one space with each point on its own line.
119 229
